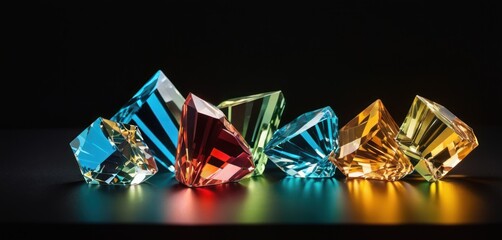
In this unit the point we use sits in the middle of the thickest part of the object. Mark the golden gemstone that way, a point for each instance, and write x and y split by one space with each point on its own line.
368 148
434 139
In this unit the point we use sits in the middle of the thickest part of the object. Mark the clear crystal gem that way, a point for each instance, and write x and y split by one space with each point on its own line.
108 152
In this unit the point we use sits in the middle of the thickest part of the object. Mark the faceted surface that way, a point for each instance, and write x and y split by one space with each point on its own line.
210 150
108 152
368 148
301 147
434 139
256 117
156 110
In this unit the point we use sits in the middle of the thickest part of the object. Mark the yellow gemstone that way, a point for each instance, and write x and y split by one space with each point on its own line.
368 148
434 139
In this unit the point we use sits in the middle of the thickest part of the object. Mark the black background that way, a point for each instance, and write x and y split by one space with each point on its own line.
64 64
69 64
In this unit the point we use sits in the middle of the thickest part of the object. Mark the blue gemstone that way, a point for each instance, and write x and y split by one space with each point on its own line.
108 152
156 110
302 147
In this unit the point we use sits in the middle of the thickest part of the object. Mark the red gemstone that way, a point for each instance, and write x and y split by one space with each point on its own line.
210 150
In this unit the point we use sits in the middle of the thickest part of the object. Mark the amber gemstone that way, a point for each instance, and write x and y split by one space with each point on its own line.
368 148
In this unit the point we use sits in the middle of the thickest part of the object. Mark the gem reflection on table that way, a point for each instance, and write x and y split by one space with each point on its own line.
275 198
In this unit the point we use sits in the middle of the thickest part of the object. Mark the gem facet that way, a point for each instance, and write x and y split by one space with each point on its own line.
368 148
210 150
156 110
434 139
301 148
257 118
108 152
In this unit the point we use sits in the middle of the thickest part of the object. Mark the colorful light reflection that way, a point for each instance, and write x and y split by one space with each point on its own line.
278 199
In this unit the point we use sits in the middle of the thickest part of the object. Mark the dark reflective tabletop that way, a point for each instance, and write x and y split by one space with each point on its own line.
41 183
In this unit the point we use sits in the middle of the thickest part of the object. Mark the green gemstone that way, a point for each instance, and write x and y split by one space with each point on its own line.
256 117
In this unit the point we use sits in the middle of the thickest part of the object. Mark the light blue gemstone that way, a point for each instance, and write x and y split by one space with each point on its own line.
302 147
156 110
108 152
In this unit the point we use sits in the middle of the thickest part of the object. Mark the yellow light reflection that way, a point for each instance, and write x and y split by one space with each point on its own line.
450 202
135 193
379 202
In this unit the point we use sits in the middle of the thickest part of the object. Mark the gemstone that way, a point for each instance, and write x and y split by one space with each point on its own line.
256 117
301 147
434 139
109 153
210 150
156 110
368 148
